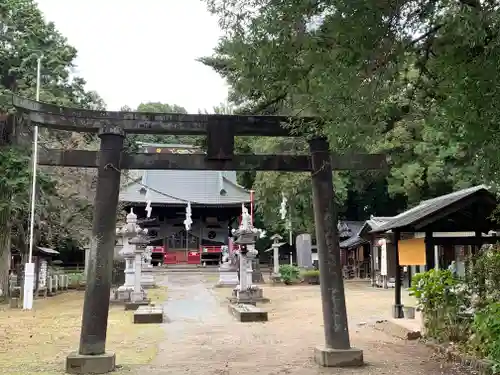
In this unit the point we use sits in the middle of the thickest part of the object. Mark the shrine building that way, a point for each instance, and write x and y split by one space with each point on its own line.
215 199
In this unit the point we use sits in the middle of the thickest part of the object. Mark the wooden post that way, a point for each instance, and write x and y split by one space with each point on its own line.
337 350
397 310
410 275
429 251
97 292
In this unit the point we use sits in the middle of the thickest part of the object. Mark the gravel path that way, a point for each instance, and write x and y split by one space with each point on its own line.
202 338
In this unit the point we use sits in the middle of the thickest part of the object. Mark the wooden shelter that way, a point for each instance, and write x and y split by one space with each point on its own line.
462 218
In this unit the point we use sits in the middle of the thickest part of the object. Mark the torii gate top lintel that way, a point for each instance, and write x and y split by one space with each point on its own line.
89 121
219 129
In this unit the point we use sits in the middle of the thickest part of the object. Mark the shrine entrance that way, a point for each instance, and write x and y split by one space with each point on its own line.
220 130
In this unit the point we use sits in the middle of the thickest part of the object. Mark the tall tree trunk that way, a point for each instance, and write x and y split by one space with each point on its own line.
4 244
5 138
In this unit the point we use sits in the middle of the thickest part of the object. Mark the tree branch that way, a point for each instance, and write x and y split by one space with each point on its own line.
429 33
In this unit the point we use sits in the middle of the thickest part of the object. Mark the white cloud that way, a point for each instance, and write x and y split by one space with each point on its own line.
136 51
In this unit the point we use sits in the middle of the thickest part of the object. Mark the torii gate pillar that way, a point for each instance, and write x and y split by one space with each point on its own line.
92 357
337 351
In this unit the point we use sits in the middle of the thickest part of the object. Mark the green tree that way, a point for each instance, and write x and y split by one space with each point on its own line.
24 37
416 80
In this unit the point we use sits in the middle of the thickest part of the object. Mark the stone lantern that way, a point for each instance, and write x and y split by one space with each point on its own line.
246 235
139 244
128 231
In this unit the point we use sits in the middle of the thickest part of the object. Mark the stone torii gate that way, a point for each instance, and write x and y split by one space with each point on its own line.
110 160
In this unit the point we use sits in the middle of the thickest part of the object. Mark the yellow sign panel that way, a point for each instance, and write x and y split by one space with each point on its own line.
411 252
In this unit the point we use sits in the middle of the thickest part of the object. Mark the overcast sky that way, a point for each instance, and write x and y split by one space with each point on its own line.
137 51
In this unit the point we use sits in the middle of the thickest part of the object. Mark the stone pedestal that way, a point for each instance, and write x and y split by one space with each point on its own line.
90 364
257 277
248 296
228 277
397 311
14 303
123 293
327 357
147 278
248 313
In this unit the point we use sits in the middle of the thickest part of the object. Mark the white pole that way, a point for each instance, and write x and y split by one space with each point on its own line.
29 269
436 257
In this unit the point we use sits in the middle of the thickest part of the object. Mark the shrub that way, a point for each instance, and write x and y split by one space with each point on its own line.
485 340
464 311
289 273
75 278
441 297
310 276
310 273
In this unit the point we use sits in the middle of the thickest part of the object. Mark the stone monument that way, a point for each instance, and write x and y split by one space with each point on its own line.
246 292
147 279
228 270
130 230
275 275
303 244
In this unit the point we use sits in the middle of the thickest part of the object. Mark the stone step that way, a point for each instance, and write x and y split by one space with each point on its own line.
148 314
248 313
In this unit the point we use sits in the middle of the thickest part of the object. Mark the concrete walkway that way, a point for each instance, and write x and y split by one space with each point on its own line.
202 338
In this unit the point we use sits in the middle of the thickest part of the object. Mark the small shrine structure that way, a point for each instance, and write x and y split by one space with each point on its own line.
214 197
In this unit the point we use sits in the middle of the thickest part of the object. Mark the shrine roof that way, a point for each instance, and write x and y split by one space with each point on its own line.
179 187
462 210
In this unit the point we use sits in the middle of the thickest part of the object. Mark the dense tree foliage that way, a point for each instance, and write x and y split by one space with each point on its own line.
62 208
414 79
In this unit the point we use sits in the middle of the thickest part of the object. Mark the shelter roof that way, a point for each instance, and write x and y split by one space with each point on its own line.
464 210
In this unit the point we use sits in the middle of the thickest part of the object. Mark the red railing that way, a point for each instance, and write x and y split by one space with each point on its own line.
210 249
194 257
169 258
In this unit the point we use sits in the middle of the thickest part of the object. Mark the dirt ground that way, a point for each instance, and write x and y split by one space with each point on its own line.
202 338
38 341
